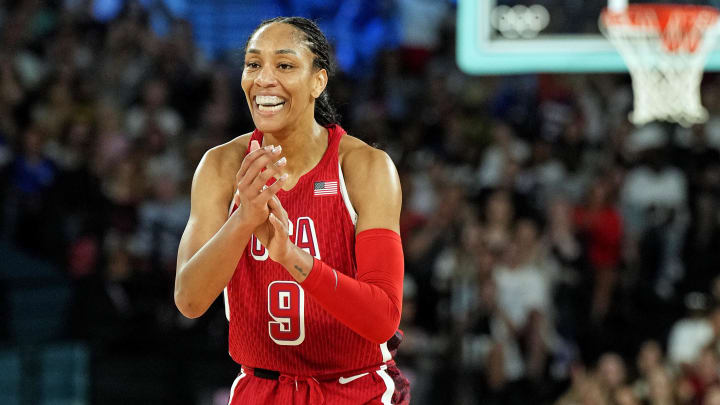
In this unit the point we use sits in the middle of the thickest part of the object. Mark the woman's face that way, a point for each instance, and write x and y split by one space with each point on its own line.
279 80
598 193
650 357
660 384
499 207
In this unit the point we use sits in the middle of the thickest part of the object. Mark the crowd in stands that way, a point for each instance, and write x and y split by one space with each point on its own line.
554 253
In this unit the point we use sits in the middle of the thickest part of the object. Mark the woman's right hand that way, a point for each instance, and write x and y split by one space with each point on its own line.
251 196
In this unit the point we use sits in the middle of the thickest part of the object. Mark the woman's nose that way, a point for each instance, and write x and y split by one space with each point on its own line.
265 77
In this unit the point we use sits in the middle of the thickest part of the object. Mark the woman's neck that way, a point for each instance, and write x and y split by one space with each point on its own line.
303 147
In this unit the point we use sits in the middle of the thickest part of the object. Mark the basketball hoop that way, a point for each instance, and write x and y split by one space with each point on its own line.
665 47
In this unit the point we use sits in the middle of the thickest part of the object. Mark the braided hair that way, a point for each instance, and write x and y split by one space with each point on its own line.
325 113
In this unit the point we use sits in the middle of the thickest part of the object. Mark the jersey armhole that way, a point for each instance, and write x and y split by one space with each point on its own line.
346 197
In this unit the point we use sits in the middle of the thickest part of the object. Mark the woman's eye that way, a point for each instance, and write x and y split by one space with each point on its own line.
252 65
285 66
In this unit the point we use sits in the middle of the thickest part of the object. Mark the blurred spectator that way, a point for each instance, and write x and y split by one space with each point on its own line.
112 146
625 396
661 388
700 377
423 250
505 149
420 350
600 227
654 204
491 352
712 396
611 374
523 294
162 219
604 385
703 234
649 360
55 112
32 175
11 95
690 335
108 310
123 186
560 238
499 216
564 255
153 112
585 389
410 219
543 177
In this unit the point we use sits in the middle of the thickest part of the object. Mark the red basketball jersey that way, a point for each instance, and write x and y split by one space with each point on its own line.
274 324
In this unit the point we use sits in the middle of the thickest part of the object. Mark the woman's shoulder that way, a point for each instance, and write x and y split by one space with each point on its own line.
364 167
372 184
354 152
227 156
219 165
349 143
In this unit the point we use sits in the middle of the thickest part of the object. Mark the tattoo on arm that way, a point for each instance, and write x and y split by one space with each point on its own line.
300 270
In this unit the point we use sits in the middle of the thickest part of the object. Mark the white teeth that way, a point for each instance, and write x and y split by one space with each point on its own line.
271 107
268 100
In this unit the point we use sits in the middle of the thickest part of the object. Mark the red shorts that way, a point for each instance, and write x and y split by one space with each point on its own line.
373 386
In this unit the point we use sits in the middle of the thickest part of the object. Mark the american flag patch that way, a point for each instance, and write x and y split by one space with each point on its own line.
325 188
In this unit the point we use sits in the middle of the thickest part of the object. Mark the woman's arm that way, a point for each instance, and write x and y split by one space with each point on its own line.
371 304
212 243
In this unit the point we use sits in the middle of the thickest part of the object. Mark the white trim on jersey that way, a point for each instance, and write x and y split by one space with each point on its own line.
389 383
227 304
225 291
346 198
234 384
385 352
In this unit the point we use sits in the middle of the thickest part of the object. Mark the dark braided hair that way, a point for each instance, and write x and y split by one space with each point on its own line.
318 44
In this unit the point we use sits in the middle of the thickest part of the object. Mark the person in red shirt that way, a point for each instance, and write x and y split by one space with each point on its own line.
600 224
310 256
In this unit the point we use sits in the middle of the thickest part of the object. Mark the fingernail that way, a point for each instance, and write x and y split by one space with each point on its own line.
269 148
277 149
282 161
283 177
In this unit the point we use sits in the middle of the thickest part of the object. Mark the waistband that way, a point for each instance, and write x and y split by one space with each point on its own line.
316 394
276 375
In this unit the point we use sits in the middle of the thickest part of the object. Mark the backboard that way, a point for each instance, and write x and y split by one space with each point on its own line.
524 36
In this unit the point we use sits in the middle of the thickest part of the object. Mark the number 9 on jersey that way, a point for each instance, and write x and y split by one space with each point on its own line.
286 300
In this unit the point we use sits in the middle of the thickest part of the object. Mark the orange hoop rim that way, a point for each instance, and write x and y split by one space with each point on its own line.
680 26
634 13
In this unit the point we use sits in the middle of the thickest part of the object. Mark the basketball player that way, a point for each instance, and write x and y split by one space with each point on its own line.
310 253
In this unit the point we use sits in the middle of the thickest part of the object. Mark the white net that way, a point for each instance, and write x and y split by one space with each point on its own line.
666 65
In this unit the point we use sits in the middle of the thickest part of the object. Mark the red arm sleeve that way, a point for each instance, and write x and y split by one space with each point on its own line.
371 304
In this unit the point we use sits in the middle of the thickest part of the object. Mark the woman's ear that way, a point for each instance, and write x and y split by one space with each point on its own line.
321 79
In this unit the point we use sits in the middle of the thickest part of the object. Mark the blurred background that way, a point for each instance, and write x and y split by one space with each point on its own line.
554 252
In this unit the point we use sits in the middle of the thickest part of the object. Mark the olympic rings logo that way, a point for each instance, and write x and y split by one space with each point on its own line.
520 21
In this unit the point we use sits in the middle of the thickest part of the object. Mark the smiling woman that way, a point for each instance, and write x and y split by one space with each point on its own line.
292 65
310 256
